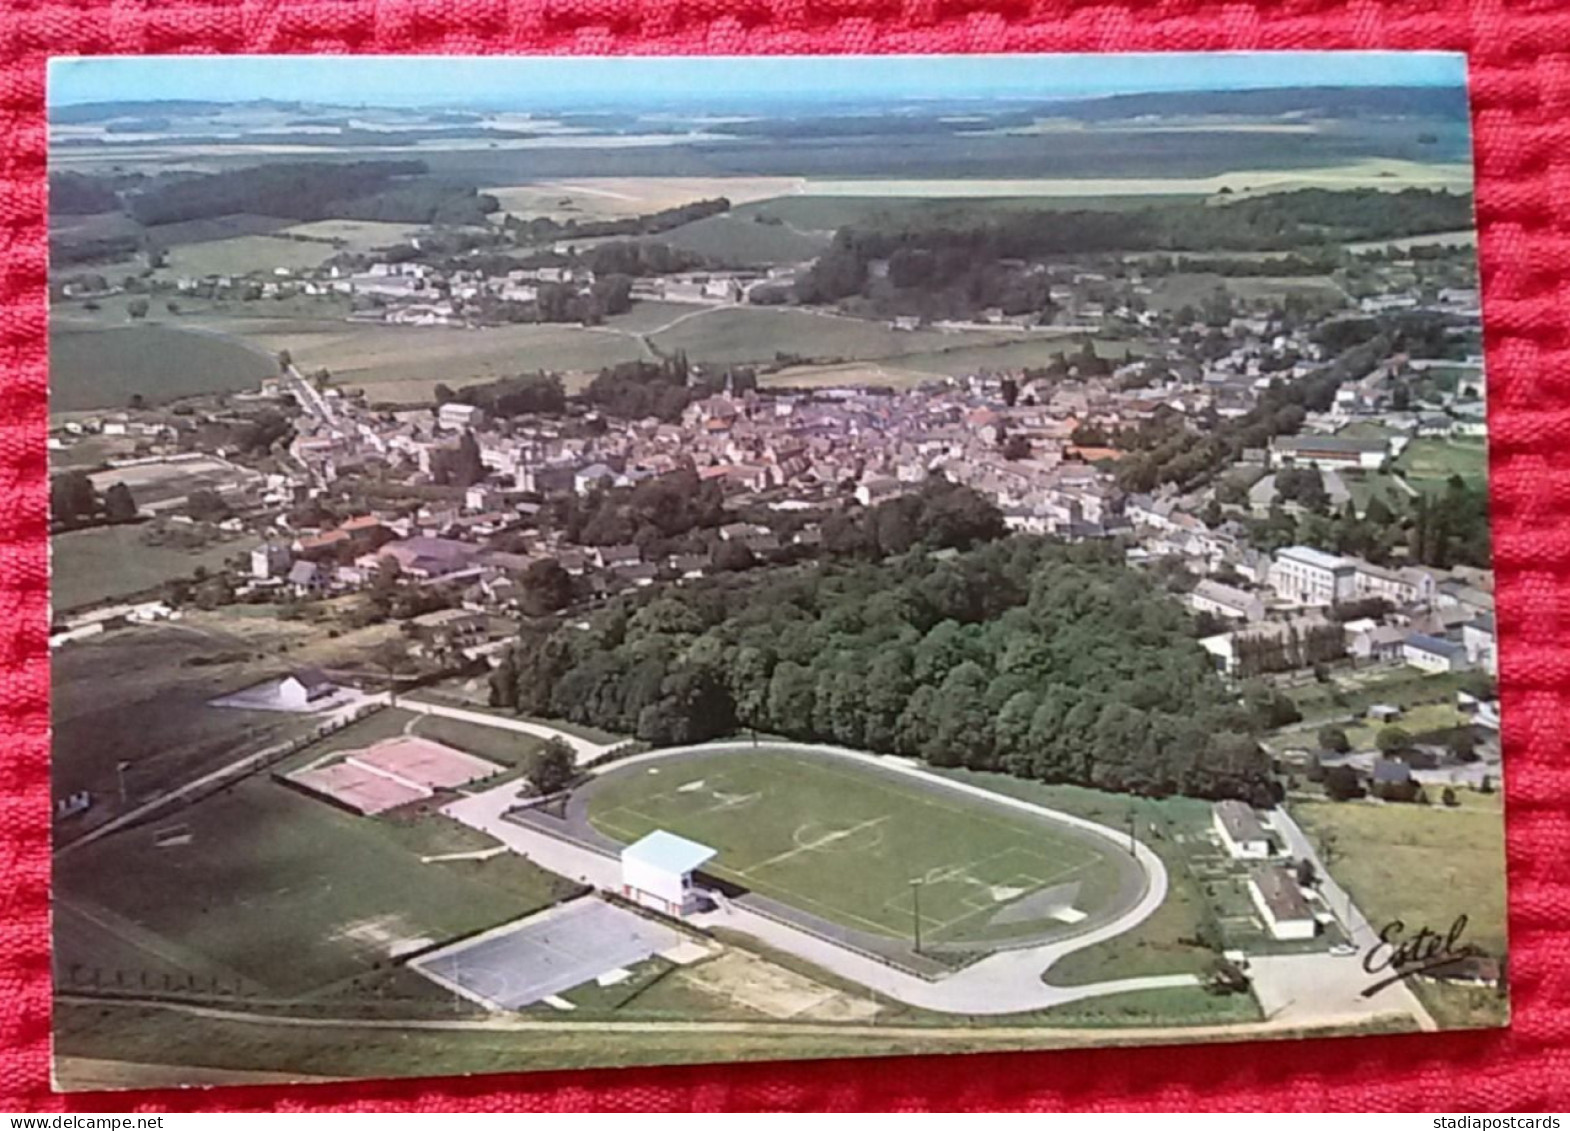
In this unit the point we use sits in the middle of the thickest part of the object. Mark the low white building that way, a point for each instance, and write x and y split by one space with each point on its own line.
1281 904
1431 654
1225 601
299 689
656 872
1240 830
457 417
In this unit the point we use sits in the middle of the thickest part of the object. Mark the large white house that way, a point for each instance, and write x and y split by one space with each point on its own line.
1312 577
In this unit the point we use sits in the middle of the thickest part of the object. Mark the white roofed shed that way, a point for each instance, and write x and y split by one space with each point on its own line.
657 871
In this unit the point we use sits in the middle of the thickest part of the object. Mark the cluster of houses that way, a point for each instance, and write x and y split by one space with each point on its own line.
1436 621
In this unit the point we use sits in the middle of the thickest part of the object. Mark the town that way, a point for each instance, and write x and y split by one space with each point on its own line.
986 608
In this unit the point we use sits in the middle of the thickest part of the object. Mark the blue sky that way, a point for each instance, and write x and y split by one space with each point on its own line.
496 81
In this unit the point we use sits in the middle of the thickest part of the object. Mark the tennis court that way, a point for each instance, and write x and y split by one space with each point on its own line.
524 962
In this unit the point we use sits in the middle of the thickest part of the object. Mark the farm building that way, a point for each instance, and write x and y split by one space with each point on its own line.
1240 830
303 687
1432 654
1280 901
657 871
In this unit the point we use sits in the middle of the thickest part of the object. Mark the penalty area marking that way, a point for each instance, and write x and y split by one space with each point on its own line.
827 840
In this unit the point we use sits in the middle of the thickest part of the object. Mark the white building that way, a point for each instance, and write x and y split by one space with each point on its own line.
458 417
270 559
1431 654
1481 644
1240 830
1312 577
1406 586
1327 452
1225 601
657 871
299 689
1281 904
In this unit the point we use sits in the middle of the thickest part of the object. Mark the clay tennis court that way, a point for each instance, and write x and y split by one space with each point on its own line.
394 772
425 762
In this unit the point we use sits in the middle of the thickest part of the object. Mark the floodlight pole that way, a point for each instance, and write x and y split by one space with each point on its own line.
915 910
119 769
1131 842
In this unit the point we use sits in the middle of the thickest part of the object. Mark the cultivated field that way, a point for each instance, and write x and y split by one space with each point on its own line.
89 566
406 363
100 368
743 241
288 893
356 235
1037 350
140 696
847 844
608 198
244 255
1389 174
733 335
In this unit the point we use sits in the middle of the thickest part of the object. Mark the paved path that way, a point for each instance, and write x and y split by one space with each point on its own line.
1002 983
1010 1035
1315 985
583 750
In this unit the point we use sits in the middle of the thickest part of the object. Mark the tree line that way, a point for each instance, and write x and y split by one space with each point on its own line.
306 190
937 250
1025 656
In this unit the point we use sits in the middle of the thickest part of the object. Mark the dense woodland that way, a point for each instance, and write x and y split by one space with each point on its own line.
1034 658
357 190
544 229
966 256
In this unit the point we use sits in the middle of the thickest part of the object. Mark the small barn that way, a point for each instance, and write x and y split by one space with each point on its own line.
304 686
657 871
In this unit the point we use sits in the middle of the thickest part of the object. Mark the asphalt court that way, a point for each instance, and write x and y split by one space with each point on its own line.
547 954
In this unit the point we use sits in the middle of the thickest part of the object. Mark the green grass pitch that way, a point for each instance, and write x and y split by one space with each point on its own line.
844 843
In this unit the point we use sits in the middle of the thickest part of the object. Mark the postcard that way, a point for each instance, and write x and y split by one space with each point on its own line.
586 562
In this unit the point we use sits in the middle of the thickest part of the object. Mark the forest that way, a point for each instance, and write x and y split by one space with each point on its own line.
397 191
968 250
1038 659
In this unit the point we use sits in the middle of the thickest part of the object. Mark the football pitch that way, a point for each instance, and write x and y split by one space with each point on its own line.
861 847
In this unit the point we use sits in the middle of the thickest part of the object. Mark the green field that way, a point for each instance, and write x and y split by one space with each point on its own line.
1425 865
1429 462
93 368
283 891
846 843
742 241
736 335
246 255
88 566
405 363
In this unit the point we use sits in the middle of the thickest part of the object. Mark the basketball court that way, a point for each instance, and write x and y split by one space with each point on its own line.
521 963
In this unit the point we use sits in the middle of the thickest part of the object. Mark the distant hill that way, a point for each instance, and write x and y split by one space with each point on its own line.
84 113
1313 101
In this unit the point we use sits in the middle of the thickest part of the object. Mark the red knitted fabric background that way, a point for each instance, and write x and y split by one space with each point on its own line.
1520 73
